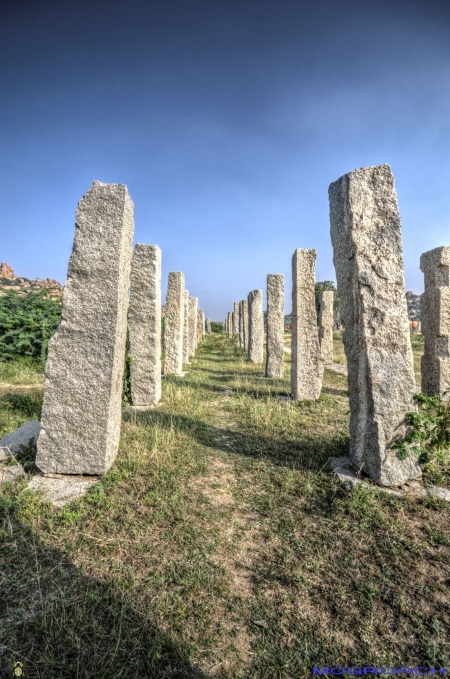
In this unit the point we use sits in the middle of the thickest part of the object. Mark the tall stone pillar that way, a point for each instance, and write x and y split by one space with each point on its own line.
236 319
326 321
275 325
245 323
193 301
255 327
306 362
368 257
186 328
174 324
230 323
435 315
233 323
200 323
203 322
82 410
241 323
144 325
208 326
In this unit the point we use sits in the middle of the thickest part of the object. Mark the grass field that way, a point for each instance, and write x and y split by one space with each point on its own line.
220 544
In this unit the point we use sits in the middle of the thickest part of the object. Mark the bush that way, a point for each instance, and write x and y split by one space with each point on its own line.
429 429
27 321
216 327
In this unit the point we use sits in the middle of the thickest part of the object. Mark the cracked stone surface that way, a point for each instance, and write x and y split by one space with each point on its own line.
368 257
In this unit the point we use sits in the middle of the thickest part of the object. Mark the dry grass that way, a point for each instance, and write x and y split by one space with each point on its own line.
221 511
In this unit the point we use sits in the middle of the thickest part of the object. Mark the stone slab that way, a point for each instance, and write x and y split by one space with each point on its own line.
144 325
174 324
344 471
306 363
255 350
193 321
236 319
82 409
435 321
326 322
11 473
186 328
368 257
275 325
20 437
338 368
244 311
62 489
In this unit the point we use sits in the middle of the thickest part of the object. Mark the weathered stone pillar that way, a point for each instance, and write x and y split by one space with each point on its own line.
326 321
275 325
236 319
245 324
241 323
233 322
203 322
367 245
230 323
186 328
208 326
174 324
193 301
255 327
306 362
82 410
200 323
435 315
144 325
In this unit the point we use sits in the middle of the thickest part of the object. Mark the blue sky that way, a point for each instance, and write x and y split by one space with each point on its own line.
227 120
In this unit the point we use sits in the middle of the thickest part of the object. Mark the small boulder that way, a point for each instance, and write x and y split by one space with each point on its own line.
20 437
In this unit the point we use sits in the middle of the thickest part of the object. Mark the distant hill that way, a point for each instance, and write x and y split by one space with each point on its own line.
9 281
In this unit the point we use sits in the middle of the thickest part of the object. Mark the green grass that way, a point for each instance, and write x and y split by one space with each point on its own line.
220 511
22 371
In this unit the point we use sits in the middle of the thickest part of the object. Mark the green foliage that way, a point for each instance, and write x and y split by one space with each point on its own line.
429 429
321 287
27 322
216 327
126 390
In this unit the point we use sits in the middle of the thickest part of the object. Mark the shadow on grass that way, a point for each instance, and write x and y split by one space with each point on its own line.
60 623
306 451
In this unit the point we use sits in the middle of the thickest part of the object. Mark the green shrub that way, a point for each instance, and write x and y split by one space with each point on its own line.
429 429
27 322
